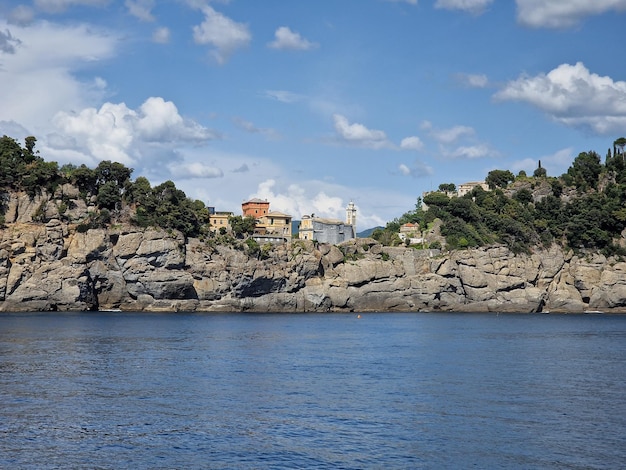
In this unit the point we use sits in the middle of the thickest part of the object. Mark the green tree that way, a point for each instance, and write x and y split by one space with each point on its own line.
109 196
499 178
585 170
447 188
85 179
242 226
524 196
115 172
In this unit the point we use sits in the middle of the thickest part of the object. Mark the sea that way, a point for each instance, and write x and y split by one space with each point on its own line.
112 390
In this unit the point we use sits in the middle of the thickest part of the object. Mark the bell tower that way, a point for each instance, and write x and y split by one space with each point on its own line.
351 214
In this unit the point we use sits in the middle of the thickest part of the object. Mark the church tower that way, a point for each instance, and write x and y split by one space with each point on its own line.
351 214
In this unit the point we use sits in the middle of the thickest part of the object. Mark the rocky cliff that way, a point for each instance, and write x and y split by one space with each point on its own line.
54 266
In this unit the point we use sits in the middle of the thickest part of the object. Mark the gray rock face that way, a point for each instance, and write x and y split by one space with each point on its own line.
52 266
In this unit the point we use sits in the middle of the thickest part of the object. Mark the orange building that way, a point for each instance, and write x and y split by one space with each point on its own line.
256 208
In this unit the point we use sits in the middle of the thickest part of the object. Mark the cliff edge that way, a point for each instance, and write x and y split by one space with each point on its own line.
53 266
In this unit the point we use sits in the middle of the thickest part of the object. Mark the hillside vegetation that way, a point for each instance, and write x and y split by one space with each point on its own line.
109 187
583 209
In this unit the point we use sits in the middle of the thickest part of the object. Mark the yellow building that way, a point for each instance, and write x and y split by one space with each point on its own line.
218 220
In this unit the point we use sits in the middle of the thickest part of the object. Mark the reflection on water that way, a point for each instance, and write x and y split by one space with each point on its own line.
312 391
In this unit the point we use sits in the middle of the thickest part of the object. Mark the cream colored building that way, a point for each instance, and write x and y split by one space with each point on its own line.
274 223
465 188
218 220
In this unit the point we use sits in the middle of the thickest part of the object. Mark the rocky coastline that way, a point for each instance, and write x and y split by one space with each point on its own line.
52 266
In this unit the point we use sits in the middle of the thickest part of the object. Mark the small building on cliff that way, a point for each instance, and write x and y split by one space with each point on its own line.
325 230
219 219
271 226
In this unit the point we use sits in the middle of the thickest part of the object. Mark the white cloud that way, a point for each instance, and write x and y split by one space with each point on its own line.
115 132
475 7
448 136
562 14
285 38
21 15
574 96
161 35
47 58
555 164
56 6
221 32
411 143
473 80
141 9
470 152
358 134
321 199
193 170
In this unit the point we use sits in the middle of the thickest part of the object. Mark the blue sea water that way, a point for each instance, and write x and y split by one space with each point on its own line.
334 391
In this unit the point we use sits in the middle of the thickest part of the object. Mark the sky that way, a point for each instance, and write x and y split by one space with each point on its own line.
311 104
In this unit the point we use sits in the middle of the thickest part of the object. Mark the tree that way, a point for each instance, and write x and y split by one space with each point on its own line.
524 196
585 170
109 195
499 178
619 143
540 172
242 226
29 153
115 172
436 200
85 178
447 188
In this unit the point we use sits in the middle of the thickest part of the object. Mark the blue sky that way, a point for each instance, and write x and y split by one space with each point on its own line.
313 103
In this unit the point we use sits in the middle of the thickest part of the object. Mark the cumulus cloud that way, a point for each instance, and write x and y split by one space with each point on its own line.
141 9
330 201
285 38
475 7
573 96
222 33
562 14
411 143
193 170
161 35
47 59
21 15
359 135
115 132
298 200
